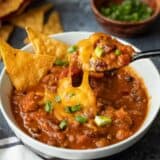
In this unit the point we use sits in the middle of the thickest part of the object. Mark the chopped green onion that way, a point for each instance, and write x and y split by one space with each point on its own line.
63 124
81 119
68 109
48 106
58 99
128 10
71 95
117 52
105 11
72 49
102 120
99 52
72 109
76 108
60 62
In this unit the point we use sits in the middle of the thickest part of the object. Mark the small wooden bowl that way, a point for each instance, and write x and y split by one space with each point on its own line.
125 29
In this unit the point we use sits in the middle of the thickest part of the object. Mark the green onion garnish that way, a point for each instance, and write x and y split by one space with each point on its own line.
81 119
71 95
60 62
99 52
58 99
72 49
72 109
48 106
68 109
117 52
102 120
63 124
128 10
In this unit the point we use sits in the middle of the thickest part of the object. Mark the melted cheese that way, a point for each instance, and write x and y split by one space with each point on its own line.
85 52
47 96
83 94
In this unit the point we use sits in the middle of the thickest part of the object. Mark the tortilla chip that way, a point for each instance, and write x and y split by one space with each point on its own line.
5 31
26 40
9 6
45 45
53 25
22 7
33 18
24 69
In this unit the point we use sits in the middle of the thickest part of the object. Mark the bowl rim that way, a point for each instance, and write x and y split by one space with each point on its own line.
125 23
16 129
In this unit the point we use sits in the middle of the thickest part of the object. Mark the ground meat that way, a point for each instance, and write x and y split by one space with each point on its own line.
122 134
29 102
102 142
97 65
123 119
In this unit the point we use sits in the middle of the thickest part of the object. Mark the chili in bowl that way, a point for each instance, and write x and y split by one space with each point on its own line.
127 103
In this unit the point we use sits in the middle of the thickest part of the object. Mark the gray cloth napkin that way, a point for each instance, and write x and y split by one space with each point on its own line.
12 148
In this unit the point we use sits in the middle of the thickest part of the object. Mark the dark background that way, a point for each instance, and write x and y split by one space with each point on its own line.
76 15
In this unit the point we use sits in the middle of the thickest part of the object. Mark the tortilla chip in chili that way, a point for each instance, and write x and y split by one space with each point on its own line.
24 69
45 45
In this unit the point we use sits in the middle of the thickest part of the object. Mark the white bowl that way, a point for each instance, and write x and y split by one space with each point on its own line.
145 69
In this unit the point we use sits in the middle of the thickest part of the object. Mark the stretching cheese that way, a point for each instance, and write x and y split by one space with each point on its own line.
85 52
82 95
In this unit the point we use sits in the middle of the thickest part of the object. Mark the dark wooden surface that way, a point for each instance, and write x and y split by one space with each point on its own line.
77 16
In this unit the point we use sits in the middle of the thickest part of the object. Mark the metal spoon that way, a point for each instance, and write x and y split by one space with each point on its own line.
146 54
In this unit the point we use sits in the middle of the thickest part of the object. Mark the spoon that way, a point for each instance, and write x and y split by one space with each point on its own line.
146 54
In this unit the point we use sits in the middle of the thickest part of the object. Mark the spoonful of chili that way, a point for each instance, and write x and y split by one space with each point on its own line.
109 63
101 52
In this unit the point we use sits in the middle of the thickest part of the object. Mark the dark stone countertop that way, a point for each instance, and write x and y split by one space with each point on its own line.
77 16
